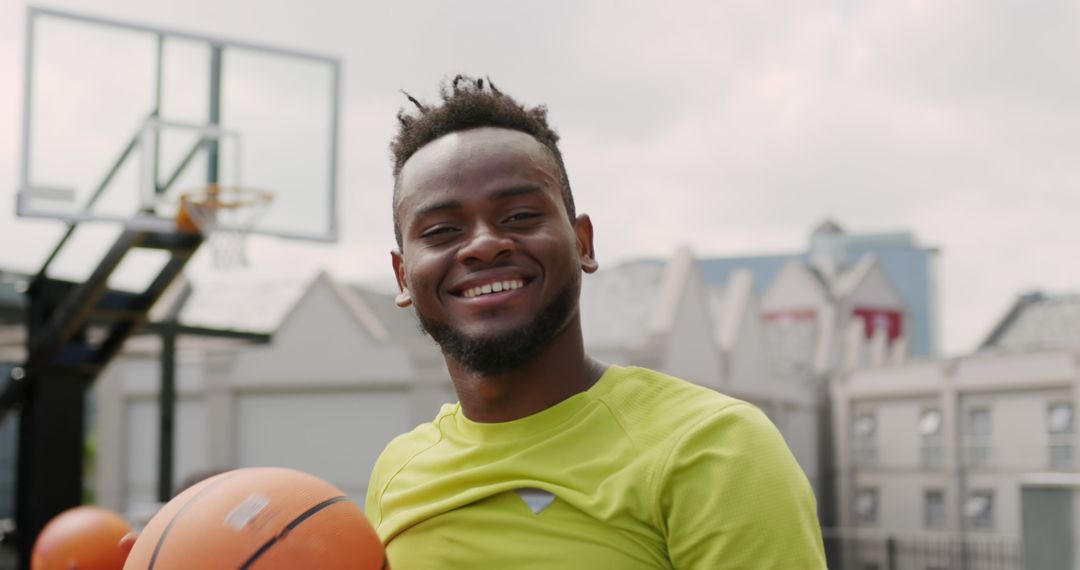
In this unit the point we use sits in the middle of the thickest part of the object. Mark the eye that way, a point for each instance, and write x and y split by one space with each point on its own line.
521 217
438 231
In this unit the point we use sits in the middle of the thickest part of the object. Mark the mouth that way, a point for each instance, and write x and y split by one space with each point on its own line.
492 287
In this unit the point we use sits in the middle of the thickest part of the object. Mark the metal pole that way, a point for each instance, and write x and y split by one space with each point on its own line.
167 421
961 475
49 474
890 553
156 184
50 467
213 146
169 331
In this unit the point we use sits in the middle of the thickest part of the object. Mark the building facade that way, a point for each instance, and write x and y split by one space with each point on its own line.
942 447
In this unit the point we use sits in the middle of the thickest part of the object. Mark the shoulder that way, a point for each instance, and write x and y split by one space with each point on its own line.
664 416
651 384
657 401
405 447
729 492
681 420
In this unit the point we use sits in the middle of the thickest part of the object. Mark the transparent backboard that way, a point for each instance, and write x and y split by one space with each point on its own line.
121 119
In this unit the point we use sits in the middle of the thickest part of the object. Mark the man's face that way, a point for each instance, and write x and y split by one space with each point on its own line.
489 259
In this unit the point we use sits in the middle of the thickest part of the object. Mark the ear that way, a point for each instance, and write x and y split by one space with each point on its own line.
404 298
586 254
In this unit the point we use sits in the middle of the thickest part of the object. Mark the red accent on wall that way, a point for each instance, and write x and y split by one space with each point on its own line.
789 315
873 318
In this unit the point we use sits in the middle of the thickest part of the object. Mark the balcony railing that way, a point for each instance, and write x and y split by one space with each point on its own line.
864 450
931 457
1061 452
866 456
861 549
977 451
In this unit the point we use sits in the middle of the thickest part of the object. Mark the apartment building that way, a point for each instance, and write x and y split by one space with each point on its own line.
943 446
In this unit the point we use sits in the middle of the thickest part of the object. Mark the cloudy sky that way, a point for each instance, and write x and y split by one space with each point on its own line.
731 127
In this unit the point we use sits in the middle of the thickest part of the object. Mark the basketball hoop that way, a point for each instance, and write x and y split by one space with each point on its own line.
224 215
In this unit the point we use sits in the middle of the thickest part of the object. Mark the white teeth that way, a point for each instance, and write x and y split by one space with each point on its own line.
495 287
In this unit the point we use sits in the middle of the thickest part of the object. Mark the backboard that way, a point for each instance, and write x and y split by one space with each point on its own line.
120 119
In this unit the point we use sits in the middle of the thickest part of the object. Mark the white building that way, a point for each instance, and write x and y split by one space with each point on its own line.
340 378
941 446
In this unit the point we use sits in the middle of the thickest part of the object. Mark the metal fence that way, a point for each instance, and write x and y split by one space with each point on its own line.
866 550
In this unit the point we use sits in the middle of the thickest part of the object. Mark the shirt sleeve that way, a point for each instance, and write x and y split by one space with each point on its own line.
733 496
371 500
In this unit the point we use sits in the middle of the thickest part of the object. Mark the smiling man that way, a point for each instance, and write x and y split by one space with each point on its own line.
552 459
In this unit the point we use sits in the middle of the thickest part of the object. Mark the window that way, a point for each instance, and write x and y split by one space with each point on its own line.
865 431
1059 427
934 508
866 505
930 431
979 509
977 448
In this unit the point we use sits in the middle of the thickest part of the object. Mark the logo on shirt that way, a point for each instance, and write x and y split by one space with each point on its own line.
536 499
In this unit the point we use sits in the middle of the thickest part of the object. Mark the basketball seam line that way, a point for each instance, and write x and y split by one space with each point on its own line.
289 527
168 527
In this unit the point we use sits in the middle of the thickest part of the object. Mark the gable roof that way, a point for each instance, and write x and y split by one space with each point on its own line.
357 308
241 303
731 306
796 285
847 282
617 304
259 304
910 267
1038 321
402 326
716 271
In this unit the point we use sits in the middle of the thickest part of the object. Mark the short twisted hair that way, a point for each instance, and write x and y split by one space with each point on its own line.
469 103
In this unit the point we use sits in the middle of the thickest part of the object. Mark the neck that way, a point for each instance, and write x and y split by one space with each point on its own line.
559 371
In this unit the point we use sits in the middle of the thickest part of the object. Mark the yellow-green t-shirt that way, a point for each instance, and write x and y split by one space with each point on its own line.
641 471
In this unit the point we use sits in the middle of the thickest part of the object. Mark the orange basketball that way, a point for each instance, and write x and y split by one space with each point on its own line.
83 537
259 518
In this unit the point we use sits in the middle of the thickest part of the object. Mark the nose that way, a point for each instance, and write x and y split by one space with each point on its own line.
485 245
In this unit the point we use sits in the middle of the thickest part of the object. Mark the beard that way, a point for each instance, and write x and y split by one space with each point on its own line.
505 352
